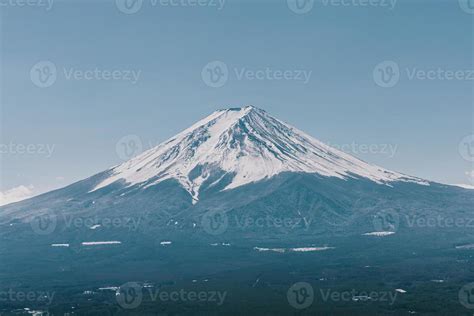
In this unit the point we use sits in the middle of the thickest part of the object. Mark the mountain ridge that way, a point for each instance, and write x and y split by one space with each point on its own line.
247 143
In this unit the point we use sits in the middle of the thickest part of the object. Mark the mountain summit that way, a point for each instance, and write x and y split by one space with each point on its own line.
241 146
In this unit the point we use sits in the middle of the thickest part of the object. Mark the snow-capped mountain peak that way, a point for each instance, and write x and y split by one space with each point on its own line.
248 144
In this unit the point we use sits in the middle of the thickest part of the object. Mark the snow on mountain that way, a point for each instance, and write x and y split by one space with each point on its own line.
16 194
248 143
464 186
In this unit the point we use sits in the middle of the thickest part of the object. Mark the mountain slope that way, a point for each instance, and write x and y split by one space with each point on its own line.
216 205
248 144
238 161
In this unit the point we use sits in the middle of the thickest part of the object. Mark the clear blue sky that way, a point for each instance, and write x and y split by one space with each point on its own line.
169 45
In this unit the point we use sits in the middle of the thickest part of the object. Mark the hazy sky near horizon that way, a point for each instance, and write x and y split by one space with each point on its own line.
390 82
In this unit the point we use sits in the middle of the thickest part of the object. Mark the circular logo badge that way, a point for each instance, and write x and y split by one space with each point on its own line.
215 74
129 295
300 6
466 148
129 6
386 74
466 295
128 147
215 222
467 6
43 74
386 221
300 295
43 224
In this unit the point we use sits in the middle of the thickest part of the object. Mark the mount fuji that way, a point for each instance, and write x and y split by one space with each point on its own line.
239 161
247 145
246 202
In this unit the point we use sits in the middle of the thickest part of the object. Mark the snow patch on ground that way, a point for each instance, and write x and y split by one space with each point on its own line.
470 246
281 250
220 244
299 249
16 194
96 243
464 186
306 249
59 245
437 281
109 288
379 234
